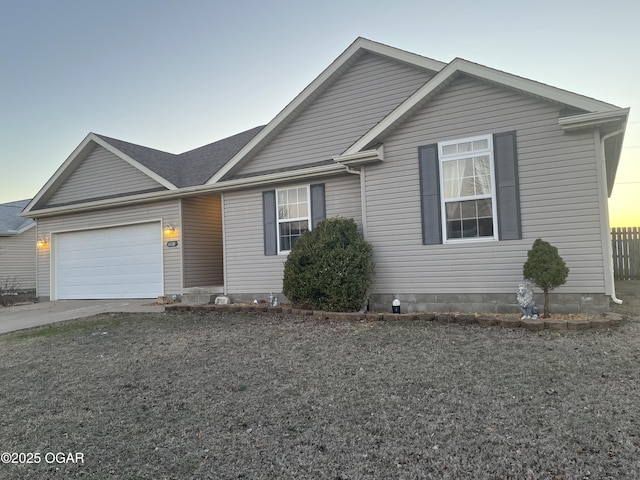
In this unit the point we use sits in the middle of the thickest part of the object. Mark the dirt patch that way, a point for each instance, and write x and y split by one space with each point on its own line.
277 396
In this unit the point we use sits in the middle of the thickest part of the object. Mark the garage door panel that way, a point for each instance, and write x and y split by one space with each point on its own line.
119 262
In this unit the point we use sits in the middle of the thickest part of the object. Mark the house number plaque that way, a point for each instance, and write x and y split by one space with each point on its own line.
173 243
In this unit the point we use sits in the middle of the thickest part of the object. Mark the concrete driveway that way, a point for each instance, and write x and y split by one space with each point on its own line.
36 314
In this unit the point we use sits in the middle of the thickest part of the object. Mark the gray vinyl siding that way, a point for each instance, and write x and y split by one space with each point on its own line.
18 259
202 241
365 94
248 269
342 198
101 174
168 212
558 198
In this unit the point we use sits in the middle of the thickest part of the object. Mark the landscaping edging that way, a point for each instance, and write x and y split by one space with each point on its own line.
484 320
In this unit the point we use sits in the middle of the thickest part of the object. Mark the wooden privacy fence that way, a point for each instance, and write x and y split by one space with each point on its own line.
626 253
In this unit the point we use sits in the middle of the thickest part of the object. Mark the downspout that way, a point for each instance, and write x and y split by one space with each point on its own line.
363 196
224 248
363 208
610 249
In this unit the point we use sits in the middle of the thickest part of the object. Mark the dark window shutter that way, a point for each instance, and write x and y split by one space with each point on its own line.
318 210
507 189
430 194
270 223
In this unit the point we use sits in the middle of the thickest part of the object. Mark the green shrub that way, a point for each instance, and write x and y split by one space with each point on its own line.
546 268
330 267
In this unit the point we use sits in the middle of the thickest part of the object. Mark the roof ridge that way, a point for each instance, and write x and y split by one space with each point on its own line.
460 66
109 139
220 140
201 163
186 168
159 162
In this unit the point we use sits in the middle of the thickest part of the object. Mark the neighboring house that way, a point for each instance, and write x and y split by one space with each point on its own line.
450 170
17 247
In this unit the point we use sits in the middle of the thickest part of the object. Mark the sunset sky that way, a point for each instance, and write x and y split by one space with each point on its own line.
175 75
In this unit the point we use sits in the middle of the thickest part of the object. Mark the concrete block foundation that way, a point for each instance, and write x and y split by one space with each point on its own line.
488 303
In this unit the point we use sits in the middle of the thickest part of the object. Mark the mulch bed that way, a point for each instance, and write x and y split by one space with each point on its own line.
555 322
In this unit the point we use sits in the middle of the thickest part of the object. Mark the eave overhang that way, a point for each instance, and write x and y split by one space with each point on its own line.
78 155
611 119
611 126
316 87
13 233
242 183
358 159
459 66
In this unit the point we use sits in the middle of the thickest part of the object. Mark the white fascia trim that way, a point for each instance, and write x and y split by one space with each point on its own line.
359 44
403 109
361 158
401 55
13 233
57 174
324 170
25 228
462 66
590 120
534 88
78 153
288 110
303 173
161 180
99 204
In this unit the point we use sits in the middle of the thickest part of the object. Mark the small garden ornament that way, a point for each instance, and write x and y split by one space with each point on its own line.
526 302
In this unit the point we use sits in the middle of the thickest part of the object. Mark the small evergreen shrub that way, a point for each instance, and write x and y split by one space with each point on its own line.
546 268
330 267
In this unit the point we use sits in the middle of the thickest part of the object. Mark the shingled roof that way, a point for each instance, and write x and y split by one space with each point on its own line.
10 222
193 167
162 163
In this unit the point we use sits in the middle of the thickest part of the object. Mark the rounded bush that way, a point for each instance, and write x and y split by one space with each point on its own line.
329 268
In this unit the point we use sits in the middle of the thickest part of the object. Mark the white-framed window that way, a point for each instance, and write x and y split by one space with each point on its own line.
293 207
467 183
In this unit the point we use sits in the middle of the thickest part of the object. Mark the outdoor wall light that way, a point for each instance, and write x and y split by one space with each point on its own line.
169 228
42 242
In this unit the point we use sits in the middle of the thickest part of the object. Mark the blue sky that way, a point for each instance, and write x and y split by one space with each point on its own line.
175 75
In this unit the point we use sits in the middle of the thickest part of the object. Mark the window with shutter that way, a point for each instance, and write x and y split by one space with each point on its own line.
293 216
288 213
469 189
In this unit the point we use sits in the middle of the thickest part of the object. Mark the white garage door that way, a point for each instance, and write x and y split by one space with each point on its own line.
119 262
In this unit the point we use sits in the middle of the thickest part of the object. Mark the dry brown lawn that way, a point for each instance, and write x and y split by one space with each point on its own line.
269 397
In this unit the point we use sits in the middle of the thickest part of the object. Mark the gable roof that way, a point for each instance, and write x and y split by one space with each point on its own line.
193 167
446 73
173 171
358 48
10 222
211 167
460 66
80 153
159 162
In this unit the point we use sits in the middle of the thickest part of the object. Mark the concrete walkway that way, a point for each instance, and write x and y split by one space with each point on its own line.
36 314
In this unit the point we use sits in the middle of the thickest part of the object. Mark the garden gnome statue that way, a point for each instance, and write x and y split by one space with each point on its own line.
525 300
